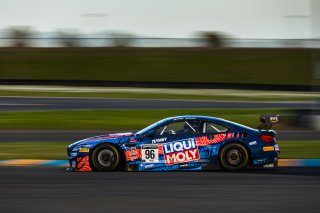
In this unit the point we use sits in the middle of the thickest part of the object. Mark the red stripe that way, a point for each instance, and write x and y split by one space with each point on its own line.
204 140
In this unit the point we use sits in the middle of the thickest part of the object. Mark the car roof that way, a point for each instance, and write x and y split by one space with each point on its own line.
208 118
191 117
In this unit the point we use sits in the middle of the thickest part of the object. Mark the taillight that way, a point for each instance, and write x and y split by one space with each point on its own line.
267 138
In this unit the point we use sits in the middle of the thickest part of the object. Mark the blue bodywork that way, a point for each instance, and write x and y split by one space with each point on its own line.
198 151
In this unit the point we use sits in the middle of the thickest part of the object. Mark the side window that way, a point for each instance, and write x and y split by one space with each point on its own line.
179 128
160 130
209 127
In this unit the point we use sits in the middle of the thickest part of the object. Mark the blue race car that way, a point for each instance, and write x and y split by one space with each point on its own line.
180 143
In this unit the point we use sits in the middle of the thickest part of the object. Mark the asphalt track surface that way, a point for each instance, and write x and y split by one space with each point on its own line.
42 189
55 103
75 135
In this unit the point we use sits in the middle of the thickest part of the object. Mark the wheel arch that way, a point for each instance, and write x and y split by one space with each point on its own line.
236 142
117 146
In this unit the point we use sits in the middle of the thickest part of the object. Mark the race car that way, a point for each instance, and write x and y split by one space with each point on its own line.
185 143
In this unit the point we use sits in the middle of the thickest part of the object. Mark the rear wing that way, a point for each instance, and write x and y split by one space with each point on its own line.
268 121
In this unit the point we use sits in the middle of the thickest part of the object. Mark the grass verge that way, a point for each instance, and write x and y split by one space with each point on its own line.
57 150
26 150
226 65
300 149
124 119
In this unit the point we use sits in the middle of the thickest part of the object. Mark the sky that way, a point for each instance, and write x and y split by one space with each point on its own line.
164 18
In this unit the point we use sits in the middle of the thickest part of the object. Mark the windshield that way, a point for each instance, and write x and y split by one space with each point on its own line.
150 127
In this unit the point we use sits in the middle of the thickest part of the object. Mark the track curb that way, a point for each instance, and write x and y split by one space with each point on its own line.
34 162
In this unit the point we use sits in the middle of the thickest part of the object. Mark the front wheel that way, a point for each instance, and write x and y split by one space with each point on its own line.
234 157
105 158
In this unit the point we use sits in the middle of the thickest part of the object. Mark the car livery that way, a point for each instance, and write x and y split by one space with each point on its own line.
180 143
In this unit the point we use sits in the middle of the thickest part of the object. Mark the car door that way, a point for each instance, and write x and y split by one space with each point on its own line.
211 135
172 146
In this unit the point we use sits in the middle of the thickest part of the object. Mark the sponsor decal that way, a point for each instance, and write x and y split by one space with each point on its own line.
150 153
253 143
73 154
274 119
84 149
180 151
132 154
184 165
89 145
260 161
149 166
276 148
268 148
270 165
159 140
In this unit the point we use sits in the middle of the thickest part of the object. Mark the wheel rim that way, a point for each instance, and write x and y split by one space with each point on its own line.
234 157
106 157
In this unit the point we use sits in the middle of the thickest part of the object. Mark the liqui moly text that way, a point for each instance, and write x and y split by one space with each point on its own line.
180 151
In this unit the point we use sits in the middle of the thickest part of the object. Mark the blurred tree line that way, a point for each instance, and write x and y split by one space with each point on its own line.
22 36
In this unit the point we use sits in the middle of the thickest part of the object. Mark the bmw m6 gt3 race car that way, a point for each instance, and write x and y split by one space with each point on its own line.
180 143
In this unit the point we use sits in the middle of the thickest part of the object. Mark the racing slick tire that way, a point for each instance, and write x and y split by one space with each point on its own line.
234 157
105 158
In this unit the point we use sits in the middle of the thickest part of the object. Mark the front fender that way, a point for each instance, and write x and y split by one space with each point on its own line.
79 156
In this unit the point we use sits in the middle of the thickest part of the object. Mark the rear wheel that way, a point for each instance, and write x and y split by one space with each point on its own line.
105 158
234 157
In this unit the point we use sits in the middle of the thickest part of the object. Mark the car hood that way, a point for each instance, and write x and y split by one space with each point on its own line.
92 141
